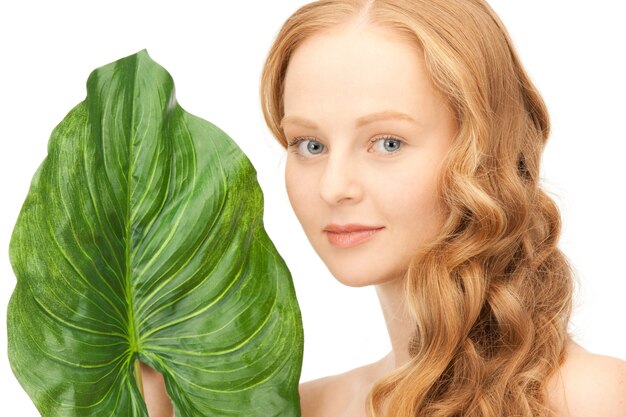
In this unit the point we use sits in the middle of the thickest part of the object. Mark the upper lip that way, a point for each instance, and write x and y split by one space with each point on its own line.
353 227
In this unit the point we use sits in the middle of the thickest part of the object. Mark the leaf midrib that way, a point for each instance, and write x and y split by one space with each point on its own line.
132 331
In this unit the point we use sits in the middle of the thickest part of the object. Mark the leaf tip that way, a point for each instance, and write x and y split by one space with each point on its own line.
143 53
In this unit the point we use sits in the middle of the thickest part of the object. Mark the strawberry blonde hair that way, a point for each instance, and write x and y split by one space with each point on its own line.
491 294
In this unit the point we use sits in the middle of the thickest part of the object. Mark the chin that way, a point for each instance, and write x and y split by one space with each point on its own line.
357 280
353 281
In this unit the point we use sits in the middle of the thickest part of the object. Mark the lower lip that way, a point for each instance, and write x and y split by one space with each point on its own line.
350 239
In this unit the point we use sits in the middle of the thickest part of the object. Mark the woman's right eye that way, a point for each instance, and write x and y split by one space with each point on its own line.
306 146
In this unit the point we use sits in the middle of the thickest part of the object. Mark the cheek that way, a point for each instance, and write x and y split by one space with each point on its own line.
299 190
413 206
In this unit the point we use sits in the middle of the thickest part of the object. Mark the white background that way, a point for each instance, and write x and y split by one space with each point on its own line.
215 50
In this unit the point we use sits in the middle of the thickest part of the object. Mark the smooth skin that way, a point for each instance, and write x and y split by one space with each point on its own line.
382 173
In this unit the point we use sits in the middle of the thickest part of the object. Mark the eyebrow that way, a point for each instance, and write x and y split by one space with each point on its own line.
361 121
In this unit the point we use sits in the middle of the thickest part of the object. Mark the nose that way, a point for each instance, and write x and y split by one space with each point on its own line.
340 182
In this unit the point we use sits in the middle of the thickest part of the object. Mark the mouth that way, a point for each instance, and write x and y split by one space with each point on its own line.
347 237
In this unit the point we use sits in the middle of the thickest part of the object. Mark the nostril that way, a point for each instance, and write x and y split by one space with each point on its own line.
340 192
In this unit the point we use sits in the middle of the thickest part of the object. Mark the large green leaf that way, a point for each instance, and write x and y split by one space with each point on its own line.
142 238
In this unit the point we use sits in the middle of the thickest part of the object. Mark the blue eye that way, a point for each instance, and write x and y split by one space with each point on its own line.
306 145
391 144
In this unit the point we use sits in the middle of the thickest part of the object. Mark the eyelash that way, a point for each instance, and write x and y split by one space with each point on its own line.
297 140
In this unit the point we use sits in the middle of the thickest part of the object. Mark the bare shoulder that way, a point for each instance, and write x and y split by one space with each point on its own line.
335 395
589 385
315 395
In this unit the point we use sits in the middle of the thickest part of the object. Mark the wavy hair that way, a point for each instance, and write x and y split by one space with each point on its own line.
491 295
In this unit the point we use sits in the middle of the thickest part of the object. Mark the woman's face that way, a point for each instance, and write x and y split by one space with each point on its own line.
370 136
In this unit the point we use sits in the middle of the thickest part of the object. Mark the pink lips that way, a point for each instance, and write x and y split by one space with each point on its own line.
350 235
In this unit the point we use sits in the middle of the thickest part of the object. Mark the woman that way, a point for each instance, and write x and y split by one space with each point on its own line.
414 139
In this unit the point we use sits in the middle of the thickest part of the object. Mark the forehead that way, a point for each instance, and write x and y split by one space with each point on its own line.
356 68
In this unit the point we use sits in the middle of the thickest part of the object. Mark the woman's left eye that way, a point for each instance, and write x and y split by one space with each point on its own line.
387 144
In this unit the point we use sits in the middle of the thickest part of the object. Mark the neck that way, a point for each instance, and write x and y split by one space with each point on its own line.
400 325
